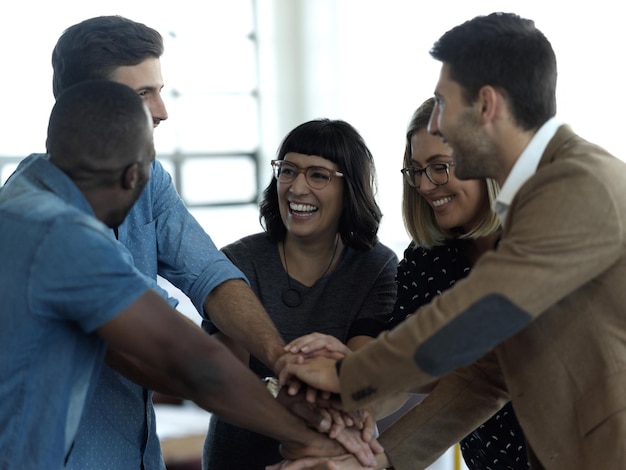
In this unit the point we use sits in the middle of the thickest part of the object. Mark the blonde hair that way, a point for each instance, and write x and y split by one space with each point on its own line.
418 216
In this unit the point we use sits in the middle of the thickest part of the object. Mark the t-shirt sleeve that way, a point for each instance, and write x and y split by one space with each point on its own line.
82 274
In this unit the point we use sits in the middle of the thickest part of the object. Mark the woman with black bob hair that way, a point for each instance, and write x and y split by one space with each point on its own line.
318 266
341 144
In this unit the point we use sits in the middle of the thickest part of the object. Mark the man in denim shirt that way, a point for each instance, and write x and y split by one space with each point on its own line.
118 430
69 291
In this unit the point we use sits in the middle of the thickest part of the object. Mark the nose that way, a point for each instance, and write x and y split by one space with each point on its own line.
433 124
299 185
157 109
425 184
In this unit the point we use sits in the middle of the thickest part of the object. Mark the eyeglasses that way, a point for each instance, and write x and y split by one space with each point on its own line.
437 173
317 177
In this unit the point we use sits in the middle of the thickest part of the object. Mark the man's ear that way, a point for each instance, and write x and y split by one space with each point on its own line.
130 177
487 101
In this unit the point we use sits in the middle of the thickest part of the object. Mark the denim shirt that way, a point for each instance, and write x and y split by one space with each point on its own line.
62 276
119 429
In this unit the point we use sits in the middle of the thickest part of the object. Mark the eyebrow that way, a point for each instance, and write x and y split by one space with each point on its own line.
150 88
310 166
434 157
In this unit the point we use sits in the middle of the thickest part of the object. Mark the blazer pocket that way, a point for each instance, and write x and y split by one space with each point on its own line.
600 402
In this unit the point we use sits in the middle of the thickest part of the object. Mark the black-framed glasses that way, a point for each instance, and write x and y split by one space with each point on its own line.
437 173
317 177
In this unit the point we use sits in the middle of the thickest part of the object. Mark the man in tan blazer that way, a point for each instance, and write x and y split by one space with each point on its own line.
541 320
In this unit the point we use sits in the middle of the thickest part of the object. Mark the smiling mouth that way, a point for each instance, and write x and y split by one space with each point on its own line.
302 209
442 201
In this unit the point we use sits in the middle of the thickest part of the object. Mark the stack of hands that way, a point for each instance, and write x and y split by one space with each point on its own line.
318 403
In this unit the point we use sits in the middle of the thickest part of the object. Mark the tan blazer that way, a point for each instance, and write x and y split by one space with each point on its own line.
549 306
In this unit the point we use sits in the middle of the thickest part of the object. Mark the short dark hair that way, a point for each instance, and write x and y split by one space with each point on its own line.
339 142
509 53
94 48
95 128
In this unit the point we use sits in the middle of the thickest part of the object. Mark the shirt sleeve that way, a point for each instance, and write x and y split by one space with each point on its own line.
459 403
550 248
83 275
187 256
231 251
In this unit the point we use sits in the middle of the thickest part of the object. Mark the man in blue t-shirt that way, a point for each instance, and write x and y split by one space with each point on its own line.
68 292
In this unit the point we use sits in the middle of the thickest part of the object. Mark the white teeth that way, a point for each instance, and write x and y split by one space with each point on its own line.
302 207
442 201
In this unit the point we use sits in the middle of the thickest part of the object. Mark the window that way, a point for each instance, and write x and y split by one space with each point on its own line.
210 143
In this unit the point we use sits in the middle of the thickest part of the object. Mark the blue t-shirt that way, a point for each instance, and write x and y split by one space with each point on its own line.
62 276
118 429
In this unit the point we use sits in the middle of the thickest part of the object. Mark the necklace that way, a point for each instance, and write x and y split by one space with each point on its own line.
292 297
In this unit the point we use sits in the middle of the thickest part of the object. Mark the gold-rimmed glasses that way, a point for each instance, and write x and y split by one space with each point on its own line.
317 177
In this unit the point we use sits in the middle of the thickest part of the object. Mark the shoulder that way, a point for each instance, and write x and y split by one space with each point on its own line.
379 257
374 262
257 244
415 253
158 171
382 251
79 231
576 179
448 260
33 157
160 182
570 156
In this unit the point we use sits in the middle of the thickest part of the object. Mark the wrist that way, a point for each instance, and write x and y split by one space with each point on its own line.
383 462
274 353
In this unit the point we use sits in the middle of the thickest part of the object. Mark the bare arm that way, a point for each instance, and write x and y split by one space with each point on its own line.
203 370
236 348
236 311
137 371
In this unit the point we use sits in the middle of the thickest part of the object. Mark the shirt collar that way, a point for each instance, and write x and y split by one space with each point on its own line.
525 167
49 176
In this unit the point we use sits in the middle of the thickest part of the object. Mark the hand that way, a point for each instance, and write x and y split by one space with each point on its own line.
316 417
364 420
342 462
293 386
318 372
326 416
353 441
314 444
313 345
317 343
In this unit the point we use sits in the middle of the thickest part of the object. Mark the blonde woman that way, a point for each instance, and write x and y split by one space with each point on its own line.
451 225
